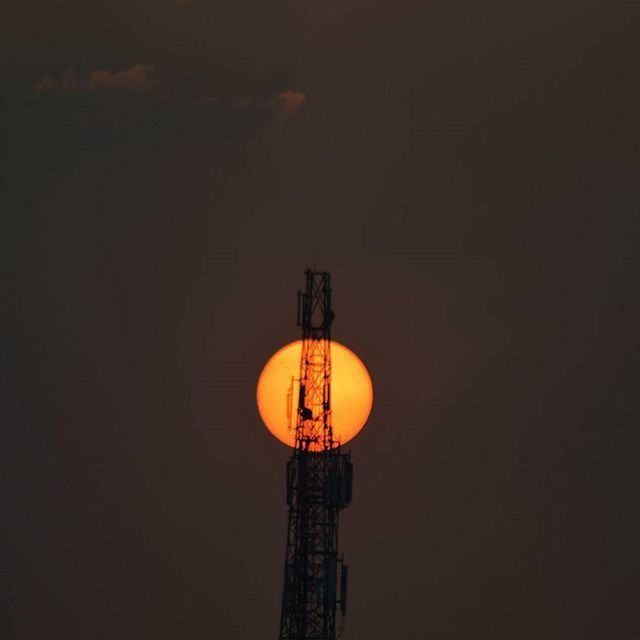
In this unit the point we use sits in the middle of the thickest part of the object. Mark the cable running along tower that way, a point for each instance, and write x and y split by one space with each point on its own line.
319 481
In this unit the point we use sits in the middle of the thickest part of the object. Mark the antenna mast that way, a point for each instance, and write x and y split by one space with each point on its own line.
319 482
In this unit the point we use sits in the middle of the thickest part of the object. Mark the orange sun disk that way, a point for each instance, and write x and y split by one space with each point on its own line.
351 393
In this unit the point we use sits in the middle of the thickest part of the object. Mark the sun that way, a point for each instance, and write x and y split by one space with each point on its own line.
351 393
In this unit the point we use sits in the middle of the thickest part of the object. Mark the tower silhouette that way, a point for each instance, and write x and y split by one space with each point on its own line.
319 481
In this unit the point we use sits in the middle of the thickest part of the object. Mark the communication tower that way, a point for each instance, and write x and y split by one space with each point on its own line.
319 481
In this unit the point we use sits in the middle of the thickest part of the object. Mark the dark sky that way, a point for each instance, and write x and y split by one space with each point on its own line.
467 171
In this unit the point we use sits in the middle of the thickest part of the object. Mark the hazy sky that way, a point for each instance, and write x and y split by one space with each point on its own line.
467 171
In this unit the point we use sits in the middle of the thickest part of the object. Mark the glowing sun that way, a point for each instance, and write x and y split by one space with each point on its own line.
278 386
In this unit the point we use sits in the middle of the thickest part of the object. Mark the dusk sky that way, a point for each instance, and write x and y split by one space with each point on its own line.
468 172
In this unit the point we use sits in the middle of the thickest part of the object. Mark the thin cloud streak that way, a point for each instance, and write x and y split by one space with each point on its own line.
287 104
137 78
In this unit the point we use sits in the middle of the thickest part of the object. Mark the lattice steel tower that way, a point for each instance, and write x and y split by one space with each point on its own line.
319 480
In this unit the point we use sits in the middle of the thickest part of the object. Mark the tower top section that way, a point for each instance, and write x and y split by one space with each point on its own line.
315 315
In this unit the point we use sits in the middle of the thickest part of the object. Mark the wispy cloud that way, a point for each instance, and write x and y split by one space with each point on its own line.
138 78
287 104
284 106
117 99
